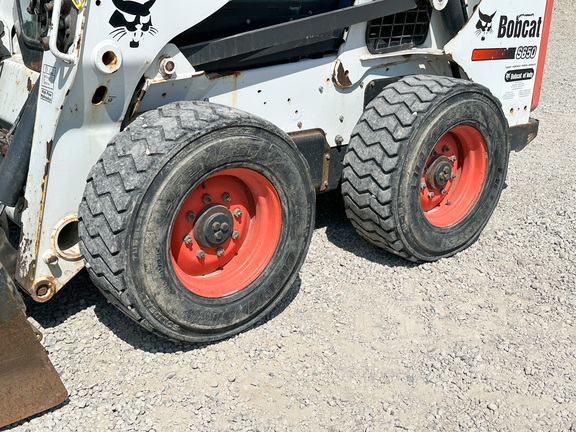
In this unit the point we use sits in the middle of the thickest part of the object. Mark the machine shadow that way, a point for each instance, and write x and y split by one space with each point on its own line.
331 216
81 294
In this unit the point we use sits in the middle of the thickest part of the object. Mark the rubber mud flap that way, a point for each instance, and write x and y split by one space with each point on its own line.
29 384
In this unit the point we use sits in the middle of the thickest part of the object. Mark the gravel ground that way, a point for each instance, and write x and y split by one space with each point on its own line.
482 341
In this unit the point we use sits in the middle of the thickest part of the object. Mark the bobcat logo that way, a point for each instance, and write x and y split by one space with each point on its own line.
132 19
484 24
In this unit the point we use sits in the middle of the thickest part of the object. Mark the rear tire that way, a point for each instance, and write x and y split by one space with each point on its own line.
196 220
425 166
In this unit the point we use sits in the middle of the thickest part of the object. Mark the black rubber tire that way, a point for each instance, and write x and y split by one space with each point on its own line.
135 190
389 148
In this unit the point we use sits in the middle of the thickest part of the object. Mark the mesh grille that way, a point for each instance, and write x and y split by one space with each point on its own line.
401 30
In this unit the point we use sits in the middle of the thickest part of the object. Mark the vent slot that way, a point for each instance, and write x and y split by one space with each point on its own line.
399 31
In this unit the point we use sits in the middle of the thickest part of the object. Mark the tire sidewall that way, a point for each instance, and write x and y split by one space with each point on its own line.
154 283
429 242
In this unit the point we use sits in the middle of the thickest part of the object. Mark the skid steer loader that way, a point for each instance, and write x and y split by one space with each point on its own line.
175 149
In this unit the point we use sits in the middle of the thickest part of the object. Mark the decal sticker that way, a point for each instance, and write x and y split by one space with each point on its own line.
484 24
519 28
494 54
519 75
133 19
47 83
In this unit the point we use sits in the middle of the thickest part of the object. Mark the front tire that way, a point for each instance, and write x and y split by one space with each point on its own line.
425 166
197 219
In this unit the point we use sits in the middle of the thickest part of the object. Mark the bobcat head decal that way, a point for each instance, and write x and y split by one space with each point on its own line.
484 24
133 19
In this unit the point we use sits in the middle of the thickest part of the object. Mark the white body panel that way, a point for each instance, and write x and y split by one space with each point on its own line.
502 53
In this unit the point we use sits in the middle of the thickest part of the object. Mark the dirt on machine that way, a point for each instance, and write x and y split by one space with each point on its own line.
175 151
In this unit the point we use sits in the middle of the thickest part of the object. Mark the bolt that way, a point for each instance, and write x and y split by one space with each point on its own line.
200 254
446 170
423 185
220 252
226 197
51 259
188 240
216 226
225 227
235 235
299 125
339 140
237 213
445 149
42 290
431 195
321 89
206 199
443 191
341 119
190 216
453 158
219 235
453 176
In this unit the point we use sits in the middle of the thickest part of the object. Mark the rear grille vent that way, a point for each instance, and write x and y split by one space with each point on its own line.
400 31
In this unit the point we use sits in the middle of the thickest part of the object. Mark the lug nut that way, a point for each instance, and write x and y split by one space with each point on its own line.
190 216
226 197
188 240
219 235
443 191
206 199
453 158
225 227
220 252
235 235
238 213
216 226
200 254
431 195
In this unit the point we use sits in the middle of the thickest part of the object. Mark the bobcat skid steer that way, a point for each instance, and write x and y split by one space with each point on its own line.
174 148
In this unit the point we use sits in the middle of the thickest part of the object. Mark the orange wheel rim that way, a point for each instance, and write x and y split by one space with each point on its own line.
226 233
454 176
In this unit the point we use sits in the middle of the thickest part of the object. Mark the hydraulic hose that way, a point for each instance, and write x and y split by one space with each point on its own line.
14 166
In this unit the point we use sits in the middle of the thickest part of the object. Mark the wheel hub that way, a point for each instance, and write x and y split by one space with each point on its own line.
213 227
439 173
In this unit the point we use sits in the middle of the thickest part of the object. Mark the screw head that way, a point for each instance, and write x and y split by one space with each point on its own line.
200 254
190 216
206 199
431 195
188 240
235 235
220 252
237 213
226 197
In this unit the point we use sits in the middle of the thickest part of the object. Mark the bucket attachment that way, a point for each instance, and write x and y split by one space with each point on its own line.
29 384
